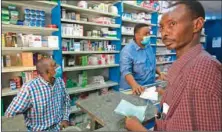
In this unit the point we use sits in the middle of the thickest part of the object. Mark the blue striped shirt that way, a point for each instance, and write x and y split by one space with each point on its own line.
139 62
44 106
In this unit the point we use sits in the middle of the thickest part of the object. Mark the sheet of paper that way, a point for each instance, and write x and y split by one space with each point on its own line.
125 108
150 93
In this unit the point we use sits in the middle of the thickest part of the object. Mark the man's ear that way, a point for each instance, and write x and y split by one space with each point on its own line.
198 24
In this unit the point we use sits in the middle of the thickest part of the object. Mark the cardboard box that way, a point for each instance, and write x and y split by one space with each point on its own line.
27 59
52 41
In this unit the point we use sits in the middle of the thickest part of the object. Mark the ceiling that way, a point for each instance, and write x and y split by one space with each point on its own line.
213 9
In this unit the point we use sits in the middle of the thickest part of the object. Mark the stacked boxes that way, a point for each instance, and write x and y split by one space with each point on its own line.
34 18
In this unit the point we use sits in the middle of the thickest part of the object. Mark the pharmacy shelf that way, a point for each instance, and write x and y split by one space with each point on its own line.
28 49
158 45
88 11
90 67
88 38
90 52
75 90
165 62
135 22
91 23
17 69
127 34
41 5
131 34
162 54
8 92
28 29
91 87
129 6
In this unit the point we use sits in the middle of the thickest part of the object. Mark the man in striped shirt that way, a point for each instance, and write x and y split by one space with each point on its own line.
44 100
192 100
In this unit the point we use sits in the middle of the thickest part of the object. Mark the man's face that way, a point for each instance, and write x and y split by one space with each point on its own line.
51 70
176 27
142 32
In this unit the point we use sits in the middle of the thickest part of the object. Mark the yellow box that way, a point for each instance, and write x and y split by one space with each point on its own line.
27 59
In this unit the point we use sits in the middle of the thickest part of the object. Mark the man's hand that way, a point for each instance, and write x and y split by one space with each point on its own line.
133 124
64 124
137 89
160 90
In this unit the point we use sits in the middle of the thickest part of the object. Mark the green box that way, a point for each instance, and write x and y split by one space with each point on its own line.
5 22
5 12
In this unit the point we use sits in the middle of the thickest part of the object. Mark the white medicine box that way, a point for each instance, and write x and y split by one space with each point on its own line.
35 41
51 41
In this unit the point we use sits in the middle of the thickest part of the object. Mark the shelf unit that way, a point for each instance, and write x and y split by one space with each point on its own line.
75 90
89 52
28 49
89 38
113 69
89 11
90 67
165 62
91 23
135 22
27 29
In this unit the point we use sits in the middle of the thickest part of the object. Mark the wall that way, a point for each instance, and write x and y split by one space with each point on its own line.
213 28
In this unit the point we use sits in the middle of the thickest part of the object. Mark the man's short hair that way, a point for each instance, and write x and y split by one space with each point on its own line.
42 65
138 27
195 7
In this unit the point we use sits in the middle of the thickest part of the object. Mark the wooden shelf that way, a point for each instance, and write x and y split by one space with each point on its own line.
17 69
88 38
89 67
91 87
89 11
91 23
28 29
90 52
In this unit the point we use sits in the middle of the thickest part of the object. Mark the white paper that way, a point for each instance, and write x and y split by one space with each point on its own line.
165 108
125 108
216 42
150 93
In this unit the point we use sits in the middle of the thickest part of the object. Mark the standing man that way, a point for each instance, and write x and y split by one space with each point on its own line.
137 61
193 98
44 100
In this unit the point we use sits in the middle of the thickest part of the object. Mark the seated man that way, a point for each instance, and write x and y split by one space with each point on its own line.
44 100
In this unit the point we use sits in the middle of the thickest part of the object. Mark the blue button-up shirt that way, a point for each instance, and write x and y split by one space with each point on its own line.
140 62
44 106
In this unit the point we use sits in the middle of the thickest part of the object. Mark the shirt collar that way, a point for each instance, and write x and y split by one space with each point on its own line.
178 65
44 81
137 46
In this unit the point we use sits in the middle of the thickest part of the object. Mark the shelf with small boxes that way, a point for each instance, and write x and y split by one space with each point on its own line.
135 12
89 45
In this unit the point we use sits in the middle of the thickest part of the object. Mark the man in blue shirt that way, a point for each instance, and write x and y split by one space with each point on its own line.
137 61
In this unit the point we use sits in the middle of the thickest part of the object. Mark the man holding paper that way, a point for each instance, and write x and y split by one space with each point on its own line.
137 61
192 100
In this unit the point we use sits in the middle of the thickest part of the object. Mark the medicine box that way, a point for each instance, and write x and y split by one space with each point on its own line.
52 41
27 59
